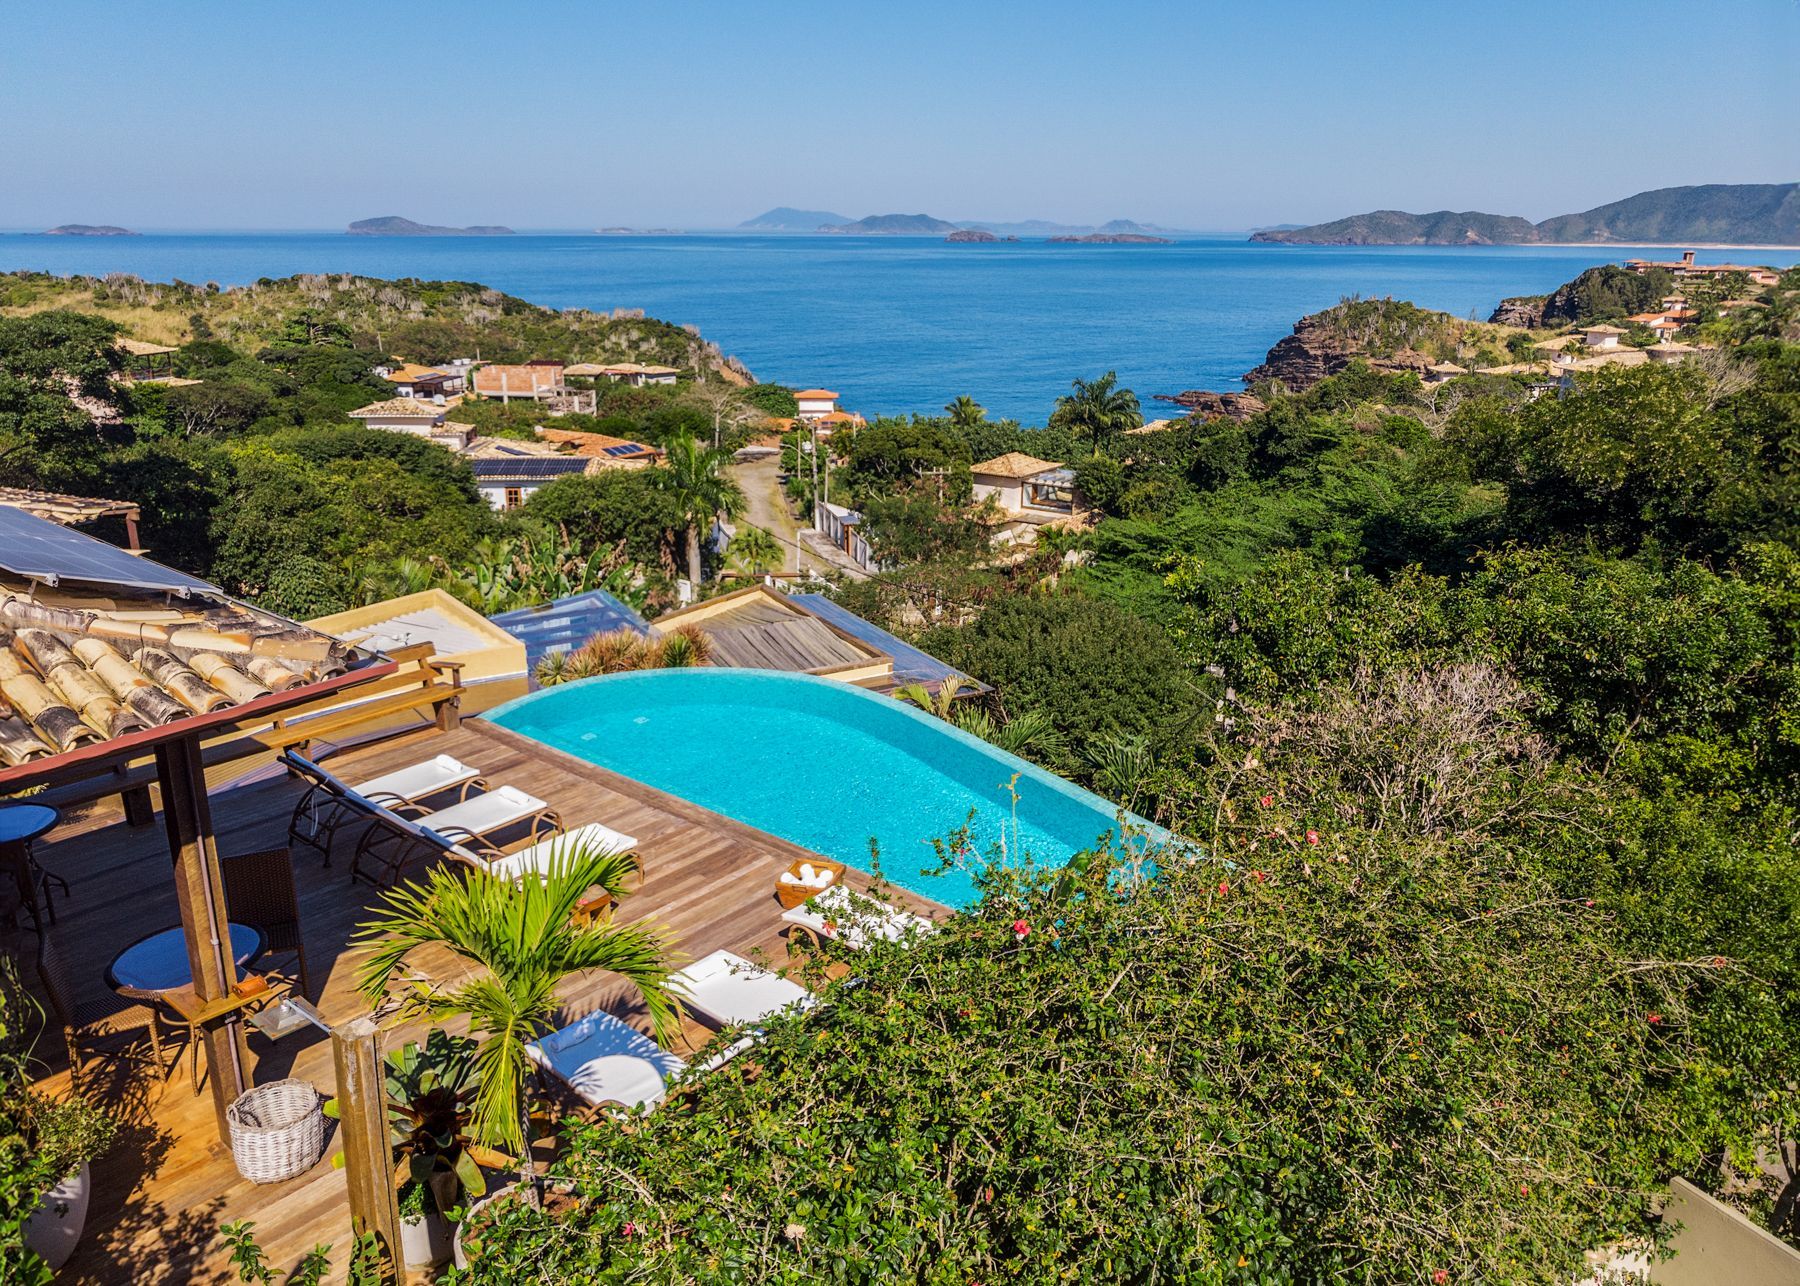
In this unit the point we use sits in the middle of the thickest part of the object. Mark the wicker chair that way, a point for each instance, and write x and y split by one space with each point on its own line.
86 1022
259 891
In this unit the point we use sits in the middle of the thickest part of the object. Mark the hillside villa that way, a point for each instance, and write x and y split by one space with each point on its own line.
1030 494
636 374
427 382
1686 267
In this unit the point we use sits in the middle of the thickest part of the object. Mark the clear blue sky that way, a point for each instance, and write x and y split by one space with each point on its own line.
545 114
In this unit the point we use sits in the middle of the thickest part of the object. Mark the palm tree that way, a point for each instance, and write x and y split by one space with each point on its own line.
756 548
1032 733
966 412
1098 408
522 943
942 703
696 474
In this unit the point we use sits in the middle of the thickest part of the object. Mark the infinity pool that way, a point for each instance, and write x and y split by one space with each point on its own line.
817 762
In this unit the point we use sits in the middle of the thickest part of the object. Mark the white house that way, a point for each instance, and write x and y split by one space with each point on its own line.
405 415
636 374
1031 493
1601 336
507 479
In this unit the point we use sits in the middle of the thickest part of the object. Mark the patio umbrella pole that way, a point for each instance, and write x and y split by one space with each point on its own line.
200 892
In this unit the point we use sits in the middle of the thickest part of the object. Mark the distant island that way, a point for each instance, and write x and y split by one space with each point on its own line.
893 225
639 232
392 225
785 218
789 219
1746 214
1113 239
977 236
88 230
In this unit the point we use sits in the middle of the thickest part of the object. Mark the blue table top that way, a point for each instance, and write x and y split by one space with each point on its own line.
25 821
160 962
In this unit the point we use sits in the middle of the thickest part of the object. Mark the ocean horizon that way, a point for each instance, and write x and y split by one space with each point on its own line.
900 324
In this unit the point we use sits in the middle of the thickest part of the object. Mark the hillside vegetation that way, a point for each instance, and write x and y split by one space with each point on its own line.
421 321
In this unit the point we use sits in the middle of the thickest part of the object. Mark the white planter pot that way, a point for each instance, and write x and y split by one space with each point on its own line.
53 1230
425 1241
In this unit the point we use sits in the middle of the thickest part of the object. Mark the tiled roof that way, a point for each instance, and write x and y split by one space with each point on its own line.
399 408
814 394
520 381
139 348
57 507
93 647
601 445
1015 464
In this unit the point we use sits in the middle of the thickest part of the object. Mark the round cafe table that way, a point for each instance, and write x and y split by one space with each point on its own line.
159 962
19 825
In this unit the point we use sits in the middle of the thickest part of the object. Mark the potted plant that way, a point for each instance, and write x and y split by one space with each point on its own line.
46 1145
437 1162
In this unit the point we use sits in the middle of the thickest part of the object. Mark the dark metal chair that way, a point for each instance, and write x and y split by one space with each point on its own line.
259 891
86 1022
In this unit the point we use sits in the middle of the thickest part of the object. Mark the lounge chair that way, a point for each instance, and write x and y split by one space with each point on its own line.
603 1061
537 858
461 831
853 919
331 803
728 989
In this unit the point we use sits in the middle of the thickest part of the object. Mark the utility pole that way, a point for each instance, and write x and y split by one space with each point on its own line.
815 475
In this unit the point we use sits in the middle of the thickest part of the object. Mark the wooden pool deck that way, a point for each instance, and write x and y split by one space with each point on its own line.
162 1192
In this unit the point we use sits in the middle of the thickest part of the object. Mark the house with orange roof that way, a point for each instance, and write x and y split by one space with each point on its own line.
605 450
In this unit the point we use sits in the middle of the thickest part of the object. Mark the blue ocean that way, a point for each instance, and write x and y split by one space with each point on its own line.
900 324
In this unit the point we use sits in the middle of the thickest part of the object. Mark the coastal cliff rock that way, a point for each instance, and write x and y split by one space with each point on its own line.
1208 405
1524 311
1390 335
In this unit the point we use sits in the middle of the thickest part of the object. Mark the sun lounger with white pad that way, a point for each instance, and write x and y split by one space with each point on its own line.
330 803
729 989
855 920
592 839
458 830
605 1061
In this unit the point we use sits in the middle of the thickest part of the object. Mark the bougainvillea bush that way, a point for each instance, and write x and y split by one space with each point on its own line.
1370 1035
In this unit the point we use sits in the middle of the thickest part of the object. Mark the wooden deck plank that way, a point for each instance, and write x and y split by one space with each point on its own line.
168 1184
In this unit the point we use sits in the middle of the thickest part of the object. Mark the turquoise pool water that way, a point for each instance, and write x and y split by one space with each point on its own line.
817 762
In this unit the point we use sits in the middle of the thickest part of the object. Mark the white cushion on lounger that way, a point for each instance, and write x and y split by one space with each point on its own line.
416 781
605 1061
488 811
593 836
729 989
855 925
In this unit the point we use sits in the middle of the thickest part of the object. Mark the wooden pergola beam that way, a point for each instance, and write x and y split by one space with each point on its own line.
205 922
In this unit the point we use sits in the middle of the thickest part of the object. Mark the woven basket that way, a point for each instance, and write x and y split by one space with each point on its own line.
277 1130
792 895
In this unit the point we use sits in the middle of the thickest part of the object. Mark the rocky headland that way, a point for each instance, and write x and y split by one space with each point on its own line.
1208 405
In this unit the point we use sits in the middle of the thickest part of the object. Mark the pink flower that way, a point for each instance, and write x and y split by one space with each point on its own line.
1440 1277
1258 876
1653 1019
1021 929
1587 901
1312 837
630 1230
1224 888
1267 801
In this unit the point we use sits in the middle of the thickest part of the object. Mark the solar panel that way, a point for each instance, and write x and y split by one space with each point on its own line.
45 551
624 448
540 466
